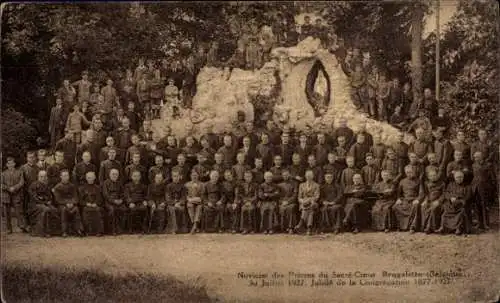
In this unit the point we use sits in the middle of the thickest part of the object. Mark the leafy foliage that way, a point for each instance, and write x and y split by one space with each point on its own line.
382 28
18 133
45 43
470 66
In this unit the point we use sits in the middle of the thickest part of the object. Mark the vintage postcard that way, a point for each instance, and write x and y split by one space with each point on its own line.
266 151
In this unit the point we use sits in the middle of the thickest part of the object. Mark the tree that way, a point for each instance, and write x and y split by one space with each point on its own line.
382 28
45 43
417 21
470 66
18 134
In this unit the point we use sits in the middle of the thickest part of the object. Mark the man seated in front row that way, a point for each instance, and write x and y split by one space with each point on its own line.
117 209
331 199
247 196
457 198
409 196
431 207
176 201
195 189
288 202
211 197
268 196
66 198
156 203
232 207
91 202
41 209
355 203
308 197
135 197
385 190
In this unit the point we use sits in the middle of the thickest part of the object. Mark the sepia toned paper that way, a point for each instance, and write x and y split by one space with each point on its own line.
237 71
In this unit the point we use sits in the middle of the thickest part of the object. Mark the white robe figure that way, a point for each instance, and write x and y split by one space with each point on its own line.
320 85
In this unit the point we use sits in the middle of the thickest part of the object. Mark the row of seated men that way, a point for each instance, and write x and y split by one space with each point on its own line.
224 203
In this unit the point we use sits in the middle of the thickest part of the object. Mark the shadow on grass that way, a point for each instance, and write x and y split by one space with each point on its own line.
25 284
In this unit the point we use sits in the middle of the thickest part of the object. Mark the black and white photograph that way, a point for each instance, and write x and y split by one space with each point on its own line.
260 151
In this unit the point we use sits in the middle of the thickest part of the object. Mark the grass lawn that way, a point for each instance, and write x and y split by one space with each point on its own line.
33 284
204 267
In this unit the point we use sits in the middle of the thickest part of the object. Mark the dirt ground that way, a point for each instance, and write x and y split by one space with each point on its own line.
215 260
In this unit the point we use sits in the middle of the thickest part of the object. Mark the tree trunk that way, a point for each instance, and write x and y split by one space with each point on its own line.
416 51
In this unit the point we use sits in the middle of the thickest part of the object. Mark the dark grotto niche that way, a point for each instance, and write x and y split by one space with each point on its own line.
319 102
